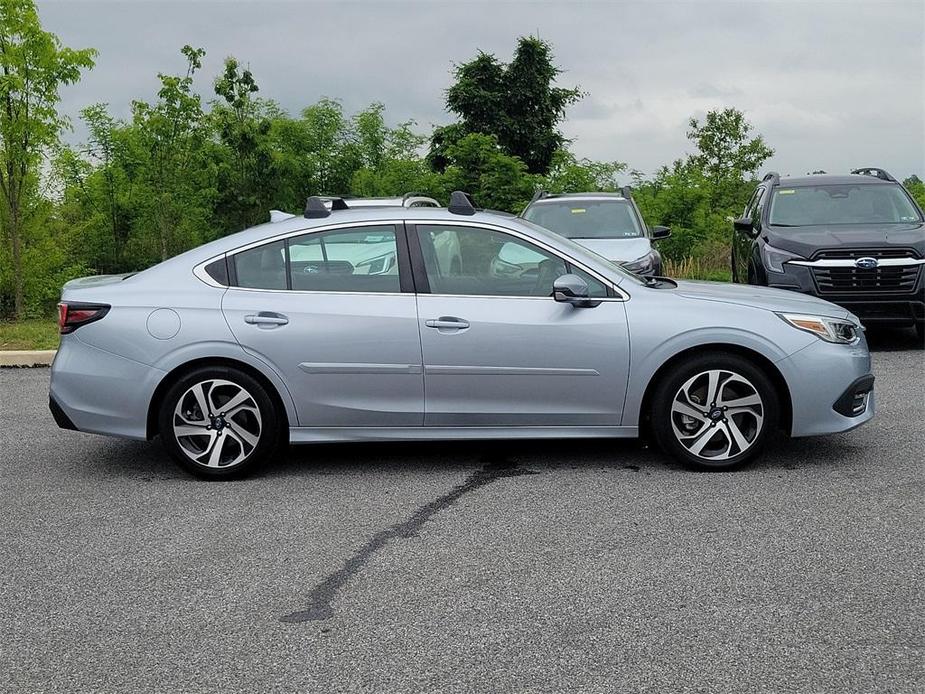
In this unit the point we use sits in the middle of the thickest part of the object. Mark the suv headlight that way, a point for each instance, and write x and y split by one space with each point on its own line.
774 258
837 330
641 265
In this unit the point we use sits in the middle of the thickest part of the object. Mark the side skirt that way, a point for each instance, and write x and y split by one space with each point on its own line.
332 434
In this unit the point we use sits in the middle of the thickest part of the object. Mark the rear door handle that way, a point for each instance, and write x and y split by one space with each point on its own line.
268 318
447 323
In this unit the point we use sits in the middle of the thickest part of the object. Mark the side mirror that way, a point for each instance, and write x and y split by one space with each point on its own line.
571 289
660 232
743 224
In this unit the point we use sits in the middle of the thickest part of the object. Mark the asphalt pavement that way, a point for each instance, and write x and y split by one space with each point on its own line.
480 567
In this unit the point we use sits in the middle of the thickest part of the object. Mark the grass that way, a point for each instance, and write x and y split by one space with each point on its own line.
697 269
38 333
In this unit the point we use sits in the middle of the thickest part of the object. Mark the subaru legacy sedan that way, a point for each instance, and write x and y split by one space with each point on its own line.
353 325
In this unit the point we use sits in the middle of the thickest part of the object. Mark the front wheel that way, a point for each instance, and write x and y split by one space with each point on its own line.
219 423
714 412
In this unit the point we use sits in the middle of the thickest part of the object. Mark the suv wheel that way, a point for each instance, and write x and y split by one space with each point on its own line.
219 423
714 412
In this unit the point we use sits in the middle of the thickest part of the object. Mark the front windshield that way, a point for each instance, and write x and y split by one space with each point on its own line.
841 204
587 219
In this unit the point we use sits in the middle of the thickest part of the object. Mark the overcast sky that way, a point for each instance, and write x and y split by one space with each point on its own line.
830 85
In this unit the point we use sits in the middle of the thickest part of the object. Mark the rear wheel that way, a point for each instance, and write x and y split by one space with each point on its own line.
714 412
219 423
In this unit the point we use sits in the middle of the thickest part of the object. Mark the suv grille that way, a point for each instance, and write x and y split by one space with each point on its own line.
852 253
851 280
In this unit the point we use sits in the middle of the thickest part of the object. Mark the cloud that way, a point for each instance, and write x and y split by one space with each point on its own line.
828 84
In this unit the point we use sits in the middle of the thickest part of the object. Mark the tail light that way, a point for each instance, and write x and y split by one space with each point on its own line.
73 315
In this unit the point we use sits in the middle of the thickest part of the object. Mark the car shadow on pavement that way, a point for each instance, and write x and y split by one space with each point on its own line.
881 339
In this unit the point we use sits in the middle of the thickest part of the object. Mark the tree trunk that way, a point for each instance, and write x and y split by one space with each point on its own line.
16 238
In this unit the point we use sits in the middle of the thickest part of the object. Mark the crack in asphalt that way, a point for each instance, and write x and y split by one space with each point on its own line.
321 599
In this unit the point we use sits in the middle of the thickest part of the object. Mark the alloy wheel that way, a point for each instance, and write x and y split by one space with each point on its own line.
217 423
717 415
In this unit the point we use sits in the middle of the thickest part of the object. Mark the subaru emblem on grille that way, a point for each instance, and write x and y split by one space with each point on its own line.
865 263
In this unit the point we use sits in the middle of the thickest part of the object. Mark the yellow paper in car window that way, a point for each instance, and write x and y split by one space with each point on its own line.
578 210
786 192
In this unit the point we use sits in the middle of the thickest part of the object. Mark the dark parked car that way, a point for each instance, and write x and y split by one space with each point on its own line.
857 240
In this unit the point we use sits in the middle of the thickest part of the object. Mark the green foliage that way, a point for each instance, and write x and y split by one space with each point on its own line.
33 67
916 189
38 333
516 103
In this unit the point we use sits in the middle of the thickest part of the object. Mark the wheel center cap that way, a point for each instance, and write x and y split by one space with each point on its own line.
218 423
715 414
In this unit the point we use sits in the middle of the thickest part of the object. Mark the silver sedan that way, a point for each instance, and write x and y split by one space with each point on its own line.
394 323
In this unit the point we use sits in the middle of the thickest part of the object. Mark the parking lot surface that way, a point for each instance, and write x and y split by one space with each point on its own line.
526 567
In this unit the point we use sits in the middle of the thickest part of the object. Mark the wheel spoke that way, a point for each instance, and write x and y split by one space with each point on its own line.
192 430
240 398
215 454
712 386
681 408
702 441
737 435
199 393
745 401
241 433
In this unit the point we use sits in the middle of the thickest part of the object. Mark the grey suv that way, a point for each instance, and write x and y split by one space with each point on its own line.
857 240
610 224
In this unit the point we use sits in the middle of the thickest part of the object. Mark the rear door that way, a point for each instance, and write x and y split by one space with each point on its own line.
334 312
498 349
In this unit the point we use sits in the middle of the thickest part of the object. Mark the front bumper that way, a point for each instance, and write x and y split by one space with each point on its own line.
97 391
901 308
821 378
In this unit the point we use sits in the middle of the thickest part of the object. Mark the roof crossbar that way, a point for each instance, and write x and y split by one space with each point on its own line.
315 207
460 203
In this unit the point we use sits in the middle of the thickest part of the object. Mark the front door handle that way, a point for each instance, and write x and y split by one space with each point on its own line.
266 318
447 323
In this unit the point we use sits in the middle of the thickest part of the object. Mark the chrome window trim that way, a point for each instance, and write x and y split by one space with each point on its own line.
200 273
850 262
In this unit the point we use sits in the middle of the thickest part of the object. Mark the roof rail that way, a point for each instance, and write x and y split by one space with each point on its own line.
539 194
876 173
626 192
412 194
771 176
460 203
316 209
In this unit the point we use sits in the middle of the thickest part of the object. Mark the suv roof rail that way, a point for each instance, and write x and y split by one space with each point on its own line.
461 203
771 176
538 195
626 192
876 173
412 194
316 209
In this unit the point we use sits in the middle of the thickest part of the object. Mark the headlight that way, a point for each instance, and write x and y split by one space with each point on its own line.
641 265
774 258
836 330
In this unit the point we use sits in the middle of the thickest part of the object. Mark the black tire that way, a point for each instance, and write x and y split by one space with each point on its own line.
237 442
920 334
753 423
732 265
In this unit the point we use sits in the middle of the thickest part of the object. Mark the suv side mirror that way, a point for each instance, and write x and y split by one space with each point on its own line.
743 224
572 289
660 232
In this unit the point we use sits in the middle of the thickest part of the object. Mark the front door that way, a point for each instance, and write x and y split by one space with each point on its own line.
327 311
499 350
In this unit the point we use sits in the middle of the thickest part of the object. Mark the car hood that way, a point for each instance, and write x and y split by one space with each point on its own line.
805 241
619 250
778 300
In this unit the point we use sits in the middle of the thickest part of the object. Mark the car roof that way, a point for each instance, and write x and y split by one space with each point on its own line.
830 180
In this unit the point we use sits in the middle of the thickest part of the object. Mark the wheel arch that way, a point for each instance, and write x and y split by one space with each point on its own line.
151 428
760 360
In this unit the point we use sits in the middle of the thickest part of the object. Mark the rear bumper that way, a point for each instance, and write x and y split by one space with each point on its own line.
96 391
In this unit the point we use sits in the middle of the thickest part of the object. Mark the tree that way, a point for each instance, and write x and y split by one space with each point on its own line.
247 177
516 103
33 67
916 189
725 153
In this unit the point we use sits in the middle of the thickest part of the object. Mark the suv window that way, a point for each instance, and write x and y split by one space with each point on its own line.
358 259
842 204
482 262
587 219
